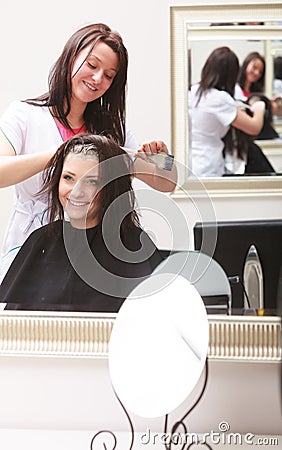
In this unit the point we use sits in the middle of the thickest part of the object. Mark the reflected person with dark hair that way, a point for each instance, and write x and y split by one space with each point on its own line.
93 252
251 76
213 110
251 81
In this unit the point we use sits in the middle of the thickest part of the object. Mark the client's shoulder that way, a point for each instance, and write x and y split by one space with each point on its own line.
50 230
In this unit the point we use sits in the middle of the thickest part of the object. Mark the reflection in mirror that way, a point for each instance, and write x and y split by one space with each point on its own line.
205 28
220 150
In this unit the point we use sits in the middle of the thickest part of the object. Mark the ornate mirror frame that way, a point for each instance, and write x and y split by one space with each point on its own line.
87 335
180 17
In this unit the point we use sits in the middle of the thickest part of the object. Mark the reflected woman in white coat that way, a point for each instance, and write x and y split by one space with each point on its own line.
213 109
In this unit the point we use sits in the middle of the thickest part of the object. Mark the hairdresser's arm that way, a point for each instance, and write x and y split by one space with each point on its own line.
248 124
159 179
17 168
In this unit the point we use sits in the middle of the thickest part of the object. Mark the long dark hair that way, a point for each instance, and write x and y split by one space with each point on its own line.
106 114
258 86
278 67
220 71
115 177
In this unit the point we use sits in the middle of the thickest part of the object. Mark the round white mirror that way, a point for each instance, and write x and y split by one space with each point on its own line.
158 345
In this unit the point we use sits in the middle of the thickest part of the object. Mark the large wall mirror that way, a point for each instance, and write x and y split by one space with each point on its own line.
195 32
25 332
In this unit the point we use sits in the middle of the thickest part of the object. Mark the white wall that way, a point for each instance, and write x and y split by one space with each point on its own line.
76 402
32 36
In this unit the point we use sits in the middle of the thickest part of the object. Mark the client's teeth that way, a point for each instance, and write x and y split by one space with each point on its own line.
77 203
90 87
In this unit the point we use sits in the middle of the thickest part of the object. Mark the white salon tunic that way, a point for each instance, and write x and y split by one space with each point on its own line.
210 121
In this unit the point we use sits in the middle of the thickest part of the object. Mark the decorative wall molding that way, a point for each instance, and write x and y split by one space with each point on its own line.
245 338
237 338
55 334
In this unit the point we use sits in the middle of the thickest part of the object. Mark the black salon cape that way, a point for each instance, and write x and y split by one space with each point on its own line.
41 276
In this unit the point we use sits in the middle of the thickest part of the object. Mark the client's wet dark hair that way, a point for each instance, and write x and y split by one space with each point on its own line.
114 177
267 131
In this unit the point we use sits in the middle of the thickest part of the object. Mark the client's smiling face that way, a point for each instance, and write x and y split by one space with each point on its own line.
78 187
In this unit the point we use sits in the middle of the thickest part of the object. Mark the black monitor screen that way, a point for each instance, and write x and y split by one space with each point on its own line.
231 247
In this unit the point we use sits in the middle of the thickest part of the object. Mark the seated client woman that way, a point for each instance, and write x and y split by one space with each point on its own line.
93 251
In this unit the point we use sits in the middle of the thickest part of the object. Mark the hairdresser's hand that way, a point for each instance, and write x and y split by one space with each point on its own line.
147 148
156 174
276 98
276 105
242 105
258 106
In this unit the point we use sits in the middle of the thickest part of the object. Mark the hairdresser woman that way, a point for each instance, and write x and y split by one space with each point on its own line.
86 94
213 110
